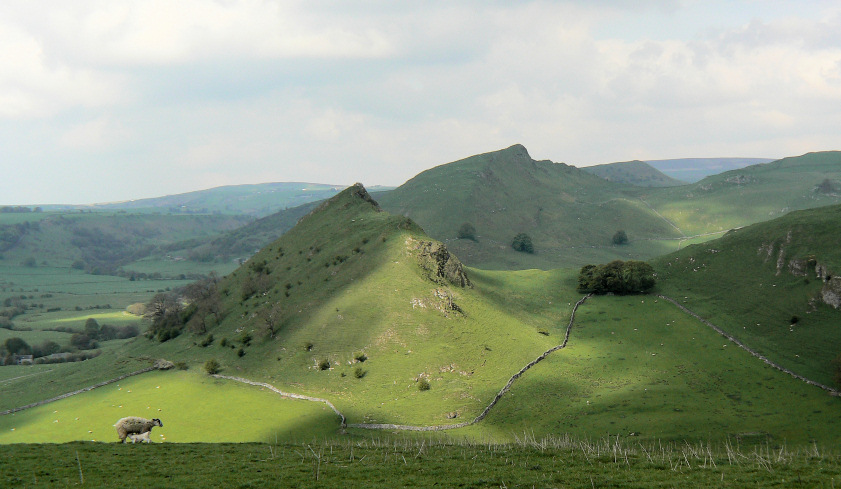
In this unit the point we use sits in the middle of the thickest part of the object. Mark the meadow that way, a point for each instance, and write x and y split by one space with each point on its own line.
386 463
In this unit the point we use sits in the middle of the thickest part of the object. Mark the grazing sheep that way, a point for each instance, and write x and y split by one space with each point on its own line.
141 438
134 425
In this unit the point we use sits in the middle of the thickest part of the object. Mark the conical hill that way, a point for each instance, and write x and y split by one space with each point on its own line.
360 306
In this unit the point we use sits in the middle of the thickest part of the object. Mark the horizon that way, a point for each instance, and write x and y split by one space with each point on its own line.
115 102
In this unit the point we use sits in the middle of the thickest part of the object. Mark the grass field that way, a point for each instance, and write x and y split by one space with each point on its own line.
193 407
388 463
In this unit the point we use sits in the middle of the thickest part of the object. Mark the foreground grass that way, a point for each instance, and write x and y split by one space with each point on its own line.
372 463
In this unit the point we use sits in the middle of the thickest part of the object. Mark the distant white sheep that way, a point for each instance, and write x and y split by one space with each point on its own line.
134 425
141 438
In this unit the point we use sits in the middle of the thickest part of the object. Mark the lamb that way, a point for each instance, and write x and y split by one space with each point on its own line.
134 425
141 438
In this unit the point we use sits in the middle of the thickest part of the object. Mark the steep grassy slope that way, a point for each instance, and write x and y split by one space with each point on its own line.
752 194
570 214
635 172
767 285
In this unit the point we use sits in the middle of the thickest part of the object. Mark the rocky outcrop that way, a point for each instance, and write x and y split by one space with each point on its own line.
442 267
831 292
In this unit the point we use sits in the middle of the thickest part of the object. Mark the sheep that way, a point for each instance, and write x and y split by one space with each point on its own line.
141 438
135 425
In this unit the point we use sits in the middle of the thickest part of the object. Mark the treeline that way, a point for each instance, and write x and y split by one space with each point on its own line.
195 307
18 209
617 277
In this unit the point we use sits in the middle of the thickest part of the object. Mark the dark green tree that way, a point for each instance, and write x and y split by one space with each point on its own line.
17 346
617 277
522 243
92 328
620 238
467 231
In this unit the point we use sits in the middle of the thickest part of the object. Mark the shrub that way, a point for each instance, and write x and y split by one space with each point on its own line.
423 385
181 365
308 346
240 353
522 243
223 342
795 319
245 339
207 341
360 357
212 367
359 373
324 364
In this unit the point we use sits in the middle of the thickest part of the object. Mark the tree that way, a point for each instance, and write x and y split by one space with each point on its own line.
467 231
620 238
522 243
92 328
17 346
272 320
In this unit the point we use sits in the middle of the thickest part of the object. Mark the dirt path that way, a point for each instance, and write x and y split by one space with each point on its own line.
756 354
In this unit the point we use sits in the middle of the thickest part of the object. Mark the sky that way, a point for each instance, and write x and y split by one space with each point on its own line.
104 100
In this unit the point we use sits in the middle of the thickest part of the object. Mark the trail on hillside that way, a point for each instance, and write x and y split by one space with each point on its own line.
753 352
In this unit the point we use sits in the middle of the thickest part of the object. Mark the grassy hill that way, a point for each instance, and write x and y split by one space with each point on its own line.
752 194
570 214
636 172
766 284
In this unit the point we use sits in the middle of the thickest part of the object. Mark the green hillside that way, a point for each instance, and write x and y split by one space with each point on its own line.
770 285
635 172
105 242
570 214
351 282
752 194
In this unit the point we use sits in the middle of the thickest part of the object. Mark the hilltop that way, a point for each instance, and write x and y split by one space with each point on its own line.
635 172
570 214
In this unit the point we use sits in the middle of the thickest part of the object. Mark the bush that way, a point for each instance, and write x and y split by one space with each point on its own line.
308 346
522 243
181 365
240 353
324 364
212 367
423 385
360 357
207 341
359 373
467 231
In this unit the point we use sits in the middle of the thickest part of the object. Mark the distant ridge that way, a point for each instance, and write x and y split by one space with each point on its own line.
635 172
692 170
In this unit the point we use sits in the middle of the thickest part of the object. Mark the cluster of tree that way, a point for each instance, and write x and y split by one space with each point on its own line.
190 307
618 277
19 209
93 333
17 346
11 234
522 243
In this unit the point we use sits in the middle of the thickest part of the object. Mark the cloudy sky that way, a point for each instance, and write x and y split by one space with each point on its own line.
104 100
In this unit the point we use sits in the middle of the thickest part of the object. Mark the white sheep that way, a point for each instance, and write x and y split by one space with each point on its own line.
141 438
134 425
